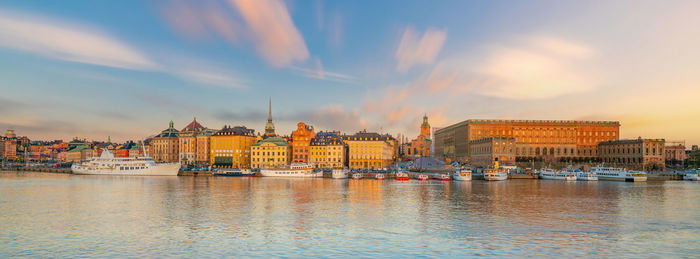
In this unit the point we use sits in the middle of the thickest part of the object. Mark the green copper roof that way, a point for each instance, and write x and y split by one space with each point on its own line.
276 140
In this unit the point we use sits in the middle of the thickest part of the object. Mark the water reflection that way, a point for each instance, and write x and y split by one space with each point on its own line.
55 215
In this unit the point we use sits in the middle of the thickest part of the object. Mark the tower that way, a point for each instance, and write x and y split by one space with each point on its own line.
425 127
269 127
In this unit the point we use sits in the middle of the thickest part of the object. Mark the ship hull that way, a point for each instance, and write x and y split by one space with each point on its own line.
157 170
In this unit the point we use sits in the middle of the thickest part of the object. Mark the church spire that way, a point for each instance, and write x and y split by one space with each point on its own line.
269 127
269 111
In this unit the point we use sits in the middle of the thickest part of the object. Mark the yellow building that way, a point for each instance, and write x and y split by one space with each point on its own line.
327 150
230 147
369 150
271 152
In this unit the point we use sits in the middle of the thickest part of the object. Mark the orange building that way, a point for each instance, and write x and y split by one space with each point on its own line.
420 147
187 142
543 140
484 152
301 138
638 154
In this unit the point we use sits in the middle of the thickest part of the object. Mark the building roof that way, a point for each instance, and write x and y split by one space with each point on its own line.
170 132
630 141
79 148
471 121
194 126
326 138
368 136
275 140
235 131
491 139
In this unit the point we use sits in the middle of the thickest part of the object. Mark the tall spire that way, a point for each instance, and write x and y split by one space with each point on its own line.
269 111
269 127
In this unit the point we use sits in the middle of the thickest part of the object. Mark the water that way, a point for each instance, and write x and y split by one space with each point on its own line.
57 215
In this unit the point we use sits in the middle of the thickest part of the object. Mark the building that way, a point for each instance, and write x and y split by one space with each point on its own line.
369 150
535 140
202 156
328 150
230 147
484 152
301 138
187 142
420 146
270 152
269 127
675 153
80 153
164 146
637 154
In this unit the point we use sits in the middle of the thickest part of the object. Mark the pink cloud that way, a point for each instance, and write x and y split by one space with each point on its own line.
202 20
414 49
276 38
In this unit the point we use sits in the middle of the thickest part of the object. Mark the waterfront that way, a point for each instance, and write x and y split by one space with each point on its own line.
63 215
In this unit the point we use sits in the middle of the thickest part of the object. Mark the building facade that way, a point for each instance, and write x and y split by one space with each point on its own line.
420 146
202 155
301 138
230 147
637 154
675 153
270 152
187 142
164 146
538 140
484 152
369 150
328 150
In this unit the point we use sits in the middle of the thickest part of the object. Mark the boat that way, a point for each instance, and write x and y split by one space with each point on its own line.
107 164
235 172
357 176
618 174
495 174
422 177
401 176
339 173
379 176
549 174
293 170
692 175
462 175
445 177
584 176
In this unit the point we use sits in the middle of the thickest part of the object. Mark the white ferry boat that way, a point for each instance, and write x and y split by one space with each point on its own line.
583 176
618 174
107 164
339 173
495 174
462 175
549 174
692 175
293 170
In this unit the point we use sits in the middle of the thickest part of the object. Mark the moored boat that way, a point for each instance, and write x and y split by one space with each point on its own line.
401 176
549 174
692 175
357 176
585 176
618 174
379 176
107 164
462 175
235 172
445 177
495 174
293 170
339 173
422 177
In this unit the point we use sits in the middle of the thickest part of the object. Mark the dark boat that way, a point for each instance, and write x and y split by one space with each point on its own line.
235 172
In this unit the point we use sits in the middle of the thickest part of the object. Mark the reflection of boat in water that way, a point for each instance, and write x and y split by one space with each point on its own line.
462 175
235 172
293 170
549 174
339 173
618 174
107 164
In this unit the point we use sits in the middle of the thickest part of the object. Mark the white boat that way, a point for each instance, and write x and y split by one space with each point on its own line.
107 164
495 174
401 175
357 176
422 177
235 172
618 174
549 174
584 176
692 175
339 173
293 170
379 176
462 175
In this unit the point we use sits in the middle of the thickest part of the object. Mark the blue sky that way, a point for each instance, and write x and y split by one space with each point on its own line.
124 69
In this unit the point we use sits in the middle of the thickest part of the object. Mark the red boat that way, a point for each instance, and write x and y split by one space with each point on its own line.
401 176
445 177
357 176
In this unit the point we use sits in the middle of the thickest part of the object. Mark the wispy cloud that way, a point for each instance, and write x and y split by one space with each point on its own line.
414 49
67 41
318 72
202 20
275 36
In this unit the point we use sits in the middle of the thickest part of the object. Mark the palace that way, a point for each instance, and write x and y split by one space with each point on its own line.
638 154
539 140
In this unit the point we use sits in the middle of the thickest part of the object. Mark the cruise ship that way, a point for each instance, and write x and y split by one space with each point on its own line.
293 170
107 164
549 174
618 174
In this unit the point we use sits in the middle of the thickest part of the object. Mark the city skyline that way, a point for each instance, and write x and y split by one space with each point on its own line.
87 71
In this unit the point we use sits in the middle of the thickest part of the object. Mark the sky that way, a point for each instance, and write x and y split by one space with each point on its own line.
124 69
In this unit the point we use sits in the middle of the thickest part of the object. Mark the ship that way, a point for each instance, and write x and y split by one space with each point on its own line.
107 164
293 170
618 174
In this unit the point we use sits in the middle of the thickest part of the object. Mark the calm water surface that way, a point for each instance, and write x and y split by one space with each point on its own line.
56 215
